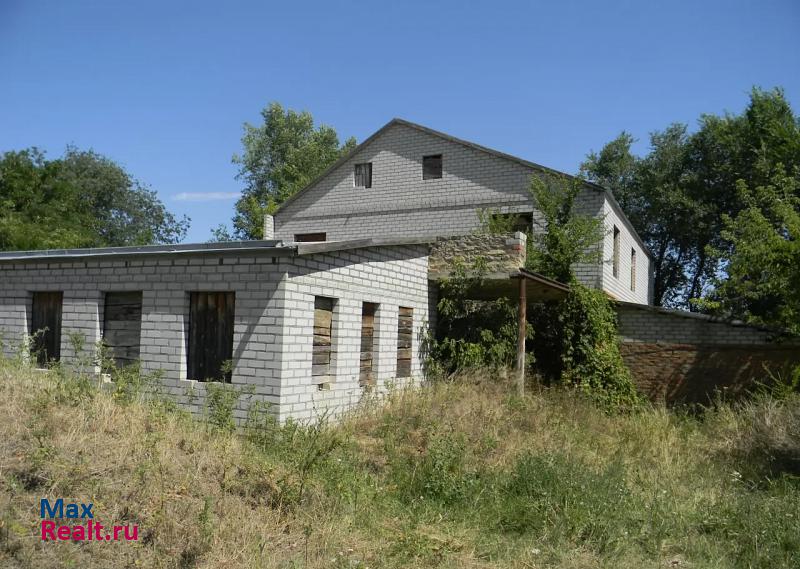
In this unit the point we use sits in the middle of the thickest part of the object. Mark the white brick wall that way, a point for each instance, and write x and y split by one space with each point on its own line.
620 286
658 325
273 317
401 204
165 283
388 276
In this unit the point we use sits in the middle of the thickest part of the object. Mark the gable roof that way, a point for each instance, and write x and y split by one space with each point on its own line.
402 122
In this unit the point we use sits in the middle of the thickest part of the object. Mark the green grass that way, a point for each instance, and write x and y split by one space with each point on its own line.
460 474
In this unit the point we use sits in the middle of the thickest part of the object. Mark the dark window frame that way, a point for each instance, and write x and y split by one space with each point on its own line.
310 237
323 343
368 352
46 344
615 254
633 269
432 166
203 364
362 179
121 305
405 341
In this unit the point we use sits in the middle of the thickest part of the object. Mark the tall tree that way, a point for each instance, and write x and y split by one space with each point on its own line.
761 280
82 199
680 194
280 157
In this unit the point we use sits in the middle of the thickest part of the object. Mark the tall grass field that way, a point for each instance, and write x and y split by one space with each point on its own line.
454 474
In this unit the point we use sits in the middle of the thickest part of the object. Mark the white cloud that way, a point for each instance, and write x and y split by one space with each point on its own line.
204 196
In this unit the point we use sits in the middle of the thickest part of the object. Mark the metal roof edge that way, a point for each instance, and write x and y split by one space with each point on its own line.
262 246
331 246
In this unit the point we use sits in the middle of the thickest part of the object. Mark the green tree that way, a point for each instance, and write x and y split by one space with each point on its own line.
563 237
280 157
681 193
81 199
576 338
762 271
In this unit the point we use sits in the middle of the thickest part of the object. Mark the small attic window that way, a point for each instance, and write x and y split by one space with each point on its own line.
432 167
362 175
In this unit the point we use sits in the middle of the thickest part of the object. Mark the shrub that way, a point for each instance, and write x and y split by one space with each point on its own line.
440 474
590 355
471 334
221 400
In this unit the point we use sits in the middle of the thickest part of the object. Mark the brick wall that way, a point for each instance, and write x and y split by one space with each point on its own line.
685 373
272 334
165 284
619 286
679 357
401 203
388 276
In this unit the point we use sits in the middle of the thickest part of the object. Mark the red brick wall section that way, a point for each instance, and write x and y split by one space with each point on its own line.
691 373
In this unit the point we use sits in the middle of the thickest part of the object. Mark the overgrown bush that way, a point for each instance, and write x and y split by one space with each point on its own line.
471 334
590 354
440 474
574 340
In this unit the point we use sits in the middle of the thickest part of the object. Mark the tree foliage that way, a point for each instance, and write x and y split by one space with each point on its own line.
472 334
762 269
280 157
81 199
576 338
563 237
682 195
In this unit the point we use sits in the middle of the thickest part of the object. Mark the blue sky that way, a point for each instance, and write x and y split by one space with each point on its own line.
164 87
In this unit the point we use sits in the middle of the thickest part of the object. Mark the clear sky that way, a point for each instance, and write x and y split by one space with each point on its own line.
163 87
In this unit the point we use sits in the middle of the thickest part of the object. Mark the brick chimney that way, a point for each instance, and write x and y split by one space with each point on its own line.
269 227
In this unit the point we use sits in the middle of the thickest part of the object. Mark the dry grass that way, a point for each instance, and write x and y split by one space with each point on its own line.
452 475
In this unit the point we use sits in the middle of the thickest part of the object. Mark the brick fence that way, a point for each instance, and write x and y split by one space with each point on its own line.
682 357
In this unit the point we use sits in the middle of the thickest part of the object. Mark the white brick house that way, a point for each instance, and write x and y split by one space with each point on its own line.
381 190
267 330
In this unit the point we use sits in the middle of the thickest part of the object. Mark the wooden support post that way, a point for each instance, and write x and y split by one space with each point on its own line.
523 317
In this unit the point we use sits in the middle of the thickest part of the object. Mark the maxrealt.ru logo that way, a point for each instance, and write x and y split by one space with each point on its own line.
86 529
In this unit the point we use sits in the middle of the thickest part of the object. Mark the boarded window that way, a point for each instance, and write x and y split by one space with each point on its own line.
362 175
46 327
309 237
210 335
368 311
432 167
633 270
615 259
122 326
322 348
405 330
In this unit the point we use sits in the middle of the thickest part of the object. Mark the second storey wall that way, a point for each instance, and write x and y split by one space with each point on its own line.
620 286
400 202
